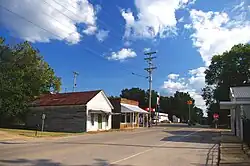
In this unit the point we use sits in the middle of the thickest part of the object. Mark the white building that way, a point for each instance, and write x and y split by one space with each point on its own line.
239 108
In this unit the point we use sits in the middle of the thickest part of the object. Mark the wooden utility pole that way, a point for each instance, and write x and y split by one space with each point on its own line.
75 75
150 69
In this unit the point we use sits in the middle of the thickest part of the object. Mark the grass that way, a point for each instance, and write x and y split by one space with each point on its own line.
32 133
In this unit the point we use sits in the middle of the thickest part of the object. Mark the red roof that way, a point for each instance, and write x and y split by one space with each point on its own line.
59 99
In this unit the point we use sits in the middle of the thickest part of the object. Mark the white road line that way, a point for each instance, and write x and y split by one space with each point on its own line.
145 151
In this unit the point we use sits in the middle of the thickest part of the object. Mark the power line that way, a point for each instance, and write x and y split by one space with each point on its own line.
77 16
38 26
29 21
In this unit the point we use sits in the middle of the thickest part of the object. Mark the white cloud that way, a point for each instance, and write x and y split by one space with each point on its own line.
147 49
181 19
240 6
48 15
154 18
102 35
123 54
197 79
90 30
216 32
127 43
173 76
187 26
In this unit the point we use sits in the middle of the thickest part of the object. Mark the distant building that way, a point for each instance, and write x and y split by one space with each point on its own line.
72 112
176 119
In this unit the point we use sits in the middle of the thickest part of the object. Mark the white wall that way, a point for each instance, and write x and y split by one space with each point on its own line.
99 102
163 117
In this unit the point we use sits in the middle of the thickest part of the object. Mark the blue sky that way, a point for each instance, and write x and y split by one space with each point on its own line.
105 40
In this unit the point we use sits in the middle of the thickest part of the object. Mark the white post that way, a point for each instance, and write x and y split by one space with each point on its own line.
143 122
125 118
133 119
241 121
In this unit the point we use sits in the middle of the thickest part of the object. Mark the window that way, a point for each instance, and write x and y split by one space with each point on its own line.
107 120
123 118
92 119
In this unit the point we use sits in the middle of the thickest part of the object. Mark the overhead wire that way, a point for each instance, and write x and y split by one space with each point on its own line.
102 45
38 26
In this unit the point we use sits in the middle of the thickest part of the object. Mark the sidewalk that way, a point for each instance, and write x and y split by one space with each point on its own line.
231 152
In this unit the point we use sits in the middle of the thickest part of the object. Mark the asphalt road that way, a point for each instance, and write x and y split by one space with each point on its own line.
158 146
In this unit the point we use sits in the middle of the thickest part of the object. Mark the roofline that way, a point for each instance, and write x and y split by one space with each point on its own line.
106 98
57 106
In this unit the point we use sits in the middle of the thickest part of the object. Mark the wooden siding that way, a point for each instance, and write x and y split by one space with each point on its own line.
68 119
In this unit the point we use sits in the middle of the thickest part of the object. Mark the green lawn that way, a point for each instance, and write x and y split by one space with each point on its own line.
32 133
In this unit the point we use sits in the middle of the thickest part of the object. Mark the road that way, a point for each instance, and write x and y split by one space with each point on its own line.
157 146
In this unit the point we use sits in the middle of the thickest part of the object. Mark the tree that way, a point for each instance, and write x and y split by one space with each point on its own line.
135 94
24 75
227 70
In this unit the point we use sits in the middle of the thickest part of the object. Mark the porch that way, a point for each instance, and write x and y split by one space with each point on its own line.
98 120
132 116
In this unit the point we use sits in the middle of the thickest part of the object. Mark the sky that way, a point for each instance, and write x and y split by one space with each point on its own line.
105 40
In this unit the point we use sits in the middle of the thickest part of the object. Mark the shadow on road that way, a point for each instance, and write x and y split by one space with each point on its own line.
209 137
131 145
47 162
9 143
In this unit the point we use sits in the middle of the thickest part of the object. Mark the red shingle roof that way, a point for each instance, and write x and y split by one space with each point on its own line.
60 99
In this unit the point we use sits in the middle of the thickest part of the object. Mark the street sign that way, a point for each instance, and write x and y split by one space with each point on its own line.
216 116
43 116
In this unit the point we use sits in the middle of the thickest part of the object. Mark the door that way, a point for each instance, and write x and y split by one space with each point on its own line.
99 121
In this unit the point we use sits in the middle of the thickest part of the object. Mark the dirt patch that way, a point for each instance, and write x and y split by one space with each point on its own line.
4 136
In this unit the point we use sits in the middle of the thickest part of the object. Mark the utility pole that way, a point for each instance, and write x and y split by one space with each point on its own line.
189 102
75 75
150 69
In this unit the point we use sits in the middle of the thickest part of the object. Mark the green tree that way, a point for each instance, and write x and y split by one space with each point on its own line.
23 76
135 94
227 70
140 95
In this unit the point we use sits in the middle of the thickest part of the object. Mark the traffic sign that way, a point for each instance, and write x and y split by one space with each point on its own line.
216 116
43 116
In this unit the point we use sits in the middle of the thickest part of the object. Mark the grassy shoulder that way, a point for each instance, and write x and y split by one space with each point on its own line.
14 133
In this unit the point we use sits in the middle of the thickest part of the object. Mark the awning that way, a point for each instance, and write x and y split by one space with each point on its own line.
230 104
127 108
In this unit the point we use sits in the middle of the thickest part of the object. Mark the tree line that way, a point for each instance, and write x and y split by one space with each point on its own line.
172 105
